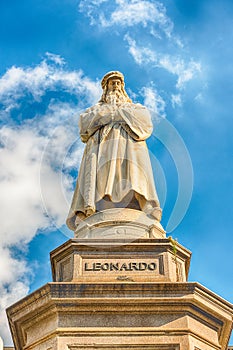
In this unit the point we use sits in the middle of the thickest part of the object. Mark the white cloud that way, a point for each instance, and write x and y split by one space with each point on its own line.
142 55
154 102
176 100
21 212
152 15
55 58
34 181
130 16
48 75
199 97
14 277
19 185
33 197
10 294
91 9
127 13
184 71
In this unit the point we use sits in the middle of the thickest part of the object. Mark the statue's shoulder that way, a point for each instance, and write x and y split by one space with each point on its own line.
137 105
91 109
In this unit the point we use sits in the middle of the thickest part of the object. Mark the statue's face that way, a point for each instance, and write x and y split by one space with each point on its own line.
114 84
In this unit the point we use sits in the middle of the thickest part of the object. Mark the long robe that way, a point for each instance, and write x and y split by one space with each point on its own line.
116 160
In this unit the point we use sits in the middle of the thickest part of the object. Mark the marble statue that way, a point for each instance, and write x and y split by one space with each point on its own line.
115 171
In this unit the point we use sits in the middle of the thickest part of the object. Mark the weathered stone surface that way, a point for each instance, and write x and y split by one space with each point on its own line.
119 223
121 315
111 260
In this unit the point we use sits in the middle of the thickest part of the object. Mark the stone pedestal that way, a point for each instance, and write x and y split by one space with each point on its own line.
121 293
119 223
143 260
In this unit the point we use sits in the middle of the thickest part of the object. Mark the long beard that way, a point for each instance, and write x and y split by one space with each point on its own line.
115 97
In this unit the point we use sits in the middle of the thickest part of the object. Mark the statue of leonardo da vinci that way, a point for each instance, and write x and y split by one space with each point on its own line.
115 171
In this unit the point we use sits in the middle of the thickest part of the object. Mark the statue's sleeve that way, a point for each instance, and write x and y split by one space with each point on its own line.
134 118
93 119
138 122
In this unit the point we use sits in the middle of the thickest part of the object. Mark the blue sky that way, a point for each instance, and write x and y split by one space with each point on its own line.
177 59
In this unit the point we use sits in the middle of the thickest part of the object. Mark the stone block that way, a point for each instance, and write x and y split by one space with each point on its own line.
143 260
119 223
161 316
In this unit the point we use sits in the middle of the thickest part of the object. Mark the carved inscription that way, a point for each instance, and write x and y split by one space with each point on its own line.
120 266
124 347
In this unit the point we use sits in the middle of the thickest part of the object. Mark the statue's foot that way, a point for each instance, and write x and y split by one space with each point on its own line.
156 212
89 211
79 218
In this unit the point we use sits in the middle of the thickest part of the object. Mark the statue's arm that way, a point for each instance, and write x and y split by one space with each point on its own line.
94 118
84 122
137 120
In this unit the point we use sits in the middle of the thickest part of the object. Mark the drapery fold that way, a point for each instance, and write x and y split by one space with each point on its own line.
116 160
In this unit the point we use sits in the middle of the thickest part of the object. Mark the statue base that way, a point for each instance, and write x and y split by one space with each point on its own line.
120 223
113 260
122 315
123 293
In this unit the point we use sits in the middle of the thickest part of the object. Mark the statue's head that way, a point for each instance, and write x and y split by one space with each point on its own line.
113 84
